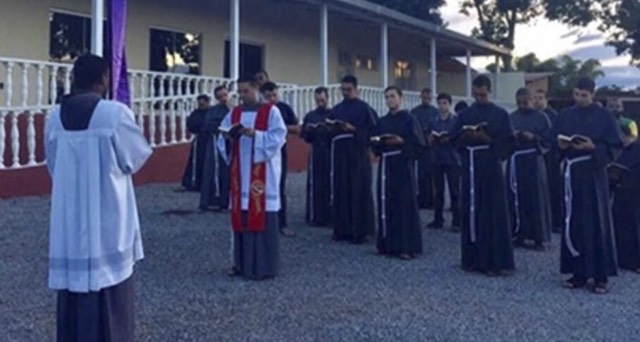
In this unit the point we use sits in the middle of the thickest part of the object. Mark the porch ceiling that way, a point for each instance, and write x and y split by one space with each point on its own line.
448 42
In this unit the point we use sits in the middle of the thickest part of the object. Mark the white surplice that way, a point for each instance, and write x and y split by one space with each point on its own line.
265 147
94 231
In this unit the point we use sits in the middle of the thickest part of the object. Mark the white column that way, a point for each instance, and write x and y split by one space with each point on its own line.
434 68
496 85
324 44
384 54
468 82
234 41
97 27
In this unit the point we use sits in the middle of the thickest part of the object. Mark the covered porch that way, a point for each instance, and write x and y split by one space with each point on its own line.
162 101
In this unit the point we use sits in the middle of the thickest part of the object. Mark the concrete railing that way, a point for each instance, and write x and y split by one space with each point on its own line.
160 101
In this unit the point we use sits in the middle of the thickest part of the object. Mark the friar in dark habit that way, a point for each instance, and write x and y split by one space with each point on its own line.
352 123
269 91
425 112
527 173
315 132
483 133
214 191
196 124
552 163
399 142
587 137
625 178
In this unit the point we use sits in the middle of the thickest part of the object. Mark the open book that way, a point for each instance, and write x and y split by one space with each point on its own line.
440 135
478 127
232 131
378 139
335 122
574 139
312 126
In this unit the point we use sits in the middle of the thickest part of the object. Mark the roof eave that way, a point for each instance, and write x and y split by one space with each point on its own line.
426 27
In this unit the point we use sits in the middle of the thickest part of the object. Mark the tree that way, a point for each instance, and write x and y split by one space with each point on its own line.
498 19
565 71
422 9
572 69
622 20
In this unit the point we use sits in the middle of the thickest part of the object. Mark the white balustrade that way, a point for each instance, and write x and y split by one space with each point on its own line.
15 140
154 96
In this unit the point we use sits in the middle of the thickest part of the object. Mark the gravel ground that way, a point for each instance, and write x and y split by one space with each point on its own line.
326 291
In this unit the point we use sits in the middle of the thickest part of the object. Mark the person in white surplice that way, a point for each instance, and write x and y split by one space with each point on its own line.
93 146
257 133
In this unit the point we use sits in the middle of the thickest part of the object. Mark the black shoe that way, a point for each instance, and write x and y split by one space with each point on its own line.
456 225
287 232
359 241
233 272
575 282
436 224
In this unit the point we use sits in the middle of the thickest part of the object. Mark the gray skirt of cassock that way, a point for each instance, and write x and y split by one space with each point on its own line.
256 255
104 316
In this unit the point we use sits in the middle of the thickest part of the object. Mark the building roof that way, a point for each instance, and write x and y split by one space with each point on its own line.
456 43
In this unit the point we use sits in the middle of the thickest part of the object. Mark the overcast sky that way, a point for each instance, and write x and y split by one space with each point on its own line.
549 40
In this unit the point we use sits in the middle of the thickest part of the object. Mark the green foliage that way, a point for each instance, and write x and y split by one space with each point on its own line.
618 19
566 71
422 9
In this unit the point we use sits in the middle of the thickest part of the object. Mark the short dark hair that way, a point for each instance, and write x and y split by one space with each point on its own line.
445 96
460 106
350 79
394 88
523 92
203 97
482 81
246 78
89 70
587 84
321 90
218 88
269 86
426 91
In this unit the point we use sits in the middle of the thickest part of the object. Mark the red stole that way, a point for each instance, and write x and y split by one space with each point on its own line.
257 214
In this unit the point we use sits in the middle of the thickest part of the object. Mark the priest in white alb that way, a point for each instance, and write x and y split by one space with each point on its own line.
257 133
93 146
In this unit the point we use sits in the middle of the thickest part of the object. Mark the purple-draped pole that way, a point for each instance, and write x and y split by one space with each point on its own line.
118 33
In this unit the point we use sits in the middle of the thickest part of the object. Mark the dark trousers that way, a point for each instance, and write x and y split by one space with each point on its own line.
452 174
105 316
282 213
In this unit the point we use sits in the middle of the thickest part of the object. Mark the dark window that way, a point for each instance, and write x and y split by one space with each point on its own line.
251 59
175 52
69 38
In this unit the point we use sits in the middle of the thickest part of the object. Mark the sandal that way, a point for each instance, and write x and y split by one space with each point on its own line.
575 283
233 272
600 288
405 257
